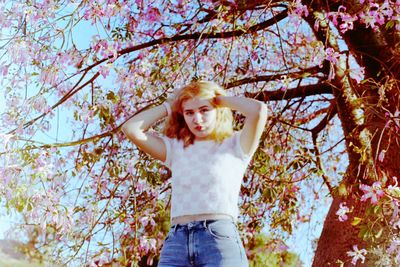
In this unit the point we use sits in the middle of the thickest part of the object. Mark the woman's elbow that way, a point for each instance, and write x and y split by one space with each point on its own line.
132 130
262 111
125 128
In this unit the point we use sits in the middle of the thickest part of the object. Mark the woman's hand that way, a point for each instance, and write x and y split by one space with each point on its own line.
136 130
256 117
216 101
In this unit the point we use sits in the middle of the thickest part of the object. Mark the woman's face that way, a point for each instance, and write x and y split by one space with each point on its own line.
200 116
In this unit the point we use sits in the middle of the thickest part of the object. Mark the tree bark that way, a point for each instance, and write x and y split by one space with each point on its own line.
338 237
375 51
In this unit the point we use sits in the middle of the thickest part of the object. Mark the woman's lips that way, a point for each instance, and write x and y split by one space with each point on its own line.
199 128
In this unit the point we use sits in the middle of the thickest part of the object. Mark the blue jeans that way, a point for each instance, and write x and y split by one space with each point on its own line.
210 243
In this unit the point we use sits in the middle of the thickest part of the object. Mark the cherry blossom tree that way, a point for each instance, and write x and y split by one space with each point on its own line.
74 71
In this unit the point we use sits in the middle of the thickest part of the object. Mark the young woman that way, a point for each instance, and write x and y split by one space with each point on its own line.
207 160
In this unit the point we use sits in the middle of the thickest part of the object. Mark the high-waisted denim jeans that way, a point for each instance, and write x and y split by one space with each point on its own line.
210 243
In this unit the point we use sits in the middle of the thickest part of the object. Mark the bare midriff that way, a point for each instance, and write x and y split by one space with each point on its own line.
200 217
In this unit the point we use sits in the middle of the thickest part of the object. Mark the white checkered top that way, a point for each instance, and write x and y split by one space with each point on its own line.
206 176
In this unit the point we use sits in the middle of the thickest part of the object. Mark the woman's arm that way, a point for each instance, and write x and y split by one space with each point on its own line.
136 130
256 117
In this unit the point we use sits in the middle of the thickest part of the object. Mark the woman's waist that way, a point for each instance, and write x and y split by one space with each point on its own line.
185 219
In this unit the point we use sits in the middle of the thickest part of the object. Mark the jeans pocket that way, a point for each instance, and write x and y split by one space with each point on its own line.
222 229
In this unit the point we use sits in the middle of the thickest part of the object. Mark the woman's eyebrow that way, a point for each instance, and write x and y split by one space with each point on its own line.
205 106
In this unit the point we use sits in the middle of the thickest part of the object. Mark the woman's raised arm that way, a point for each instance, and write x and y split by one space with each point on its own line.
136 130
256 117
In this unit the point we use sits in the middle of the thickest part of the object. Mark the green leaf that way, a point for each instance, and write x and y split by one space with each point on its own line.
377 209
277 148
342 190
379 233
389 24
113 97
356 221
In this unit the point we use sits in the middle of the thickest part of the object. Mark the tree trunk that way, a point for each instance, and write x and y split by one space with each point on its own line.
338 237
374 50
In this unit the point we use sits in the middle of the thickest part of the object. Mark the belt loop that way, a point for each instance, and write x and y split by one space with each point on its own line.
205 224
174 227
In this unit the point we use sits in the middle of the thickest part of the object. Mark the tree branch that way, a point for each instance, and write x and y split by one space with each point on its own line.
268 78
194 36
62 100
197 36
322 124
299 91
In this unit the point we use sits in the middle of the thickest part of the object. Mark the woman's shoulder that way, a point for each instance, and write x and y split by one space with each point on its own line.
235 134
172 141
231 139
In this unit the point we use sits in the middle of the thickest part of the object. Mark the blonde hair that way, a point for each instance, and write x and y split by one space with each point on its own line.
175 126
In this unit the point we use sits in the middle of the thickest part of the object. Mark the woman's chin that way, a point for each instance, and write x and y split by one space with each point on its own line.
202 136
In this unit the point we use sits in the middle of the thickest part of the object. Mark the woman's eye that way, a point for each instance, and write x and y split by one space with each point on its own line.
204 110
189 113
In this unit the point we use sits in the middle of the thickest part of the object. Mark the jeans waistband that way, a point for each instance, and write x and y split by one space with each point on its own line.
197 224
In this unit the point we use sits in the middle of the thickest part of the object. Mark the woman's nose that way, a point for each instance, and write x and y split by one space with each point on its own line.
197 117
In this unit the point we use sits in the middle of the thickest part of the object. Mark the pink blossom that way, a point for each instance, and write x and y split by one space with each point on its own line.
4 69
153 14
281 247
342 211
396 225
376 15
374 192
102 259
342 20
368 19
393 119
347 23
316 25
381 156
357 254
105 70
357 74
130 165
341 9
386 10
9 173
300 9
87 113
145 220
254 56
49 76
285 82
19 52
39 103
394 187
332 55
298 176
395 248
86 216
147 244
6 138
9 119
5 21
150 260
8 193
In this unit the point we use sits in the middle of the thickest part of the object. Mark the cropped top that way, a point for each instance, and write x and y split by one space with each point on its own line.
206 176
